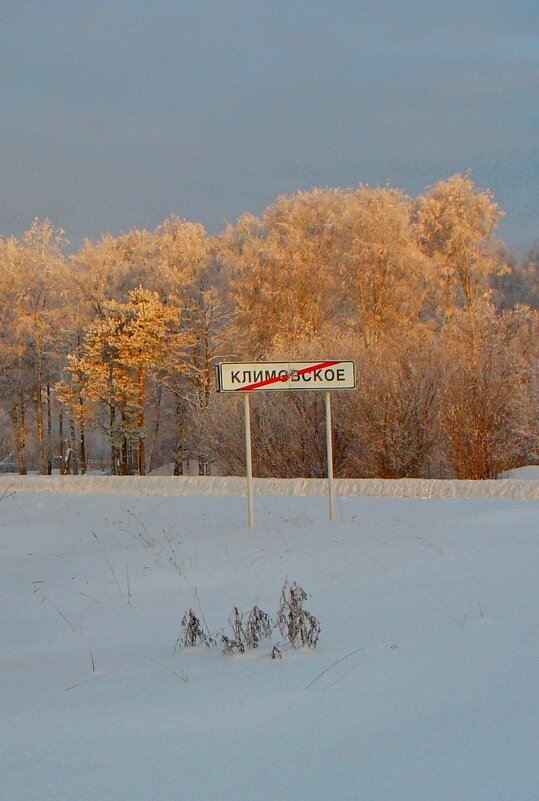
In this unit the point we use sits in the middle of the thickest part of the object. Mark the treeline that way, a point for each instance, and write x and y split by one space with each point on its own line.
109 353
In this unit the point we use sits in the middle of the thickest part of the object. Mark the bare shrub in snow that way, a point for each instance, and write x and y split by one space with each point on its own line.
276 653
236 643
193 633
258 626
295 623
297 626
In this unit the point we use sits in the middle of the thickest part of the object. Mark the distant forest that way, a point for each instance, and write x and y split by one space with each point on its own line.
107 355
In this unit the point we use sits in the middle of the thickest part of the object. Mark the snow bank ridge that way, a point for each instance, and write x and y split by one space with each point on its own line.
515 489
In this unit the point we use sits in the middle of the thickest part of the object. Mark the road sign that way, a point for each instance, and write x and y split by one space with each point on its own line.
255 376
250 377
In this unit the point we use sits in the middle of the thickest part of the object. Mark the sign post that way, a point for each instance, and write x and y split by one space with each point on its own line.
249 460
278 376
329 451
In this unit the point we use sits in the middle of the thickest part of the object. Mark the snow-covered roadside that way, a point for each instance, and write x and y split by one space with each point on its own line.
423 685
515 489
528 472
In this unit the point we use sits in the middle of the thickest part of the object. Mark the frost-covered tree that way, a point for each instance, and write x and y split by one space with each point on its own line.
283 281
457 224
129 342
32 269
401 285
15 363
324 259
187 278
521 284
109 268
392 417
383 275
489 390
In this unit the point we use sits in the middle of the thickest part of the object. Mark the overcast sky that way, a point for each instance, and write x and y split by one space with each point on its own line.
116 114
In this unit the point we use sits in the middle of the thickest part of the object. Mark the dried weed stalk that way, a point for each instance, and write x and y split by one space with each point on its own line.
193 633
236 643
297 626
295 623
276 653
257 627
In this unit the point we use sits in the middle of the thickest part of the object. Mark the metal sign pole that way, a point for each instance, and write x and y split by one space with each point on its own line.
322 375
329 450
248 458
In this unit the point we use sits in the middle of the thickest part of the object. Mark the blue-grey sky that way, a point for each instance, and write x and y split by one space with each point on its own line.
116 114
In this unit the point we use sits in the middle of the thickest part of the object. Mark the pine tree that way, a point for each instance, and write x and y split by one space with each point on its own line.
120 350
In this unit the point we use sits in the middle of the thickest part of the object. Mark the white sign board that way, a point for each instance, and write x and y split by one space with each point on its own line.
248 377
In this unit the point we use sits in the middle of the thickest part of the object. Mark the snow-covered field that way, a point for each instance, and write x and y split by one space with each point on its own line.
424 685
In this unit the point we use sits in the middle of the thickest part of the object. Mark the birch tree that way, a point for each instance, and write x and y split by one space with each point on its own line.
383 274
188 280
457 224
15 376
283 283
33 267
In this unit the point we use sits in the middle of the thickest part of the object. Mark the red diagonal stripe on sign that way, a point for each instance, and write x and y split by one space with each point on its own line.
283 378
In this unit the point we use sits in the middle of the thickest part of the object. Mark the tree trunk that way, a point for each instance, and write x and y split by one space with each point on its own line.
62 443
114 453
49 428
124 459
156 425
17 418
203 466
40 429
178 459
39 406
179 451
82 437
207 368
73 446
124 456
49 413
141 443
197 375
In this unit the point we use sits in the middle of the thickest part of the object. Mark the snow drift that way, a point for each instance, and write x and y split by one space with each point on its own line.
517 489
